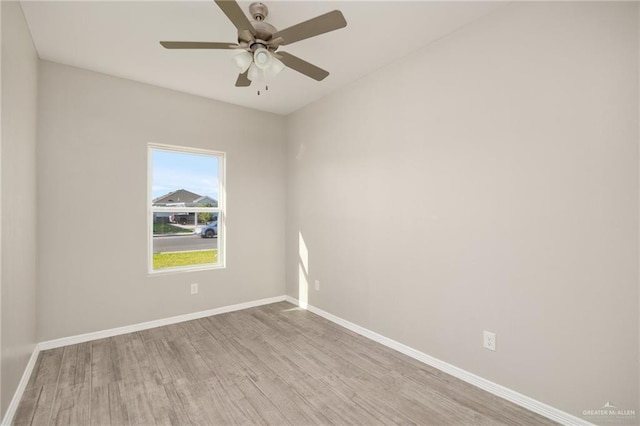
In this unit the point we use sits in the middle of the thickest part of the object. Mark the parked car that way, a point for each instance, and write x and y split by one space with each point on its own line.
183 218
210 230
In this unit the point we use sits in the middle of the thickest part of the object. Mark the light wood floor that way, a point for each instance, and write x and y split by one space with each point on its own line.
275 364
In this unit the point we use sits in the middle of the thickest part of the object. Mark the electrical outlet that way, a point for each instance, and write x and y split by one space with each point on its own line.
489 340
194 288
317 285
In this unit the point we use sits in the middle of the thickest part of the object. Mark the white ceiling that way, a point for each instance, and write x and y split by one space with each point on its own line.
120 38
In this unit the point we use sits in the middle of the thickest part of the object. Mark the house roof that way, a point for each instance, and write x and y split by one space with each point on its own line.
205 199
178 196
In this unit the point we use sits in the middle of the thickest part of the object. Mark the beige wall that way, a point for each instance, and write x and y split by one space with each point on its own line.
93 132
18 198
487 182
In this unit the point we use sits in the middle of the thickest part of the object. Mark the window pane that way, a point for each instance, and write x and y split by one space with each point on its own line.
184 180
182 245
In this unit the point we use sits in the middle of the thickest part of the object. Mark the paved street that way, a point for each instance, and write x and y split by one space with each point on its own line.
183 243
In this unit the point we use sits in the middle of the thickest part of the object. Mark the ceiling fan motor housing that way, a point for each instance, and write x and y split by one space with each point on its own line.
259 11
263 30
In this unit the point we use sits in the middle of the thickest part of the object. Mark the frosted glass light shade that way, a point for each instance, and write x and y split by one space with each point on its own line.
243 60
255 73
262 58
276 67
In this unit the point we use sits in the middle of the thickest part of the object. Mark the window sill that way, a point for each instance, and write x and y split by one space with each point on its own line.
181 269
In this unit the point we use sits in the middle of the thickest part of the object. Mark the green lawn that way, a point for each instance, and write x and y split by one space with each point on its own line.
165 228
186 258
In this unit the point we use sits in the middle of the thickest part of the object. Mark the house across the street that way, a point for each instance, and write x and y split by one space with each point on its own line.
181 198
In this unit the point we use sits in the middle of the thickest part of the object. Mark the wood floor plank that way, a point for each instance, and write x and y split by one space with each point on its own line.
156 401
295 408
47 368
223 400
105 363
332 360
192 398
72 405
177 413
271 365
153 367
99 408
378 407
192 328
223 326
75 368
182 360
333 405
27 407
44 407
221 359
267 410
267 361
131 401
168 332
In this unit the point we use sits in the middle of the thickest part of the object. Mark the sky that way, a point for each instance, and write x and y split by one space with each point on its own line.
193 172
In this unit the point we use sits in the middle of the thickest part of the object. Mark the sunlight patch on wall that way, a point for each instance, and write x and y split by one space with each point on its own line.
303 272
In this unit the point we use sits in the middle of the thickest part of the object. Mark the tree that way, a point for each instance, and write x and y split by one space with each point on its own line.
205 217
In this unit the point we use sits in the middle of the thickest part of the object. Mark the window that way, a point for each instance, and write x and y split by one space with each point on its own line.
186 209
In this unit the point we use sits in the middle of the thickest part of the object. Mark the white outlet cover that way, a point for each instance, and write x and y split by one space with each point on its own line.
194 288
317 285
489 340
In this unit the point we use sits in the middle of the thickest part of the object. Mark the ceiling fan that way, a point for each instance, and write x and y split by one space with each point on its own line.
259 42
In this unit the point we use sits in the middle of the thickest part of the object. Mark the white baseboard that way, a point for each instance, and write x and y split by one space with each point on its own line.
484 384
17 396
72 340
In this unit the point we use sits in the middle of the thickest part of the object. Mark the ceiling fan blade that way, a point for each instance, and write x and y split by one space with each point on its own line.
245 36
303 67
319 25
236 15
275 42
197 45
243 80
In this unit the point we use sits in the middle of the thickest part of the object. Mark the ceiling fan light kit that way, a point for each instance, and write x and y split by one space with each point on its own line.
243 60
259 41
265 65
276 67
262 58
255 73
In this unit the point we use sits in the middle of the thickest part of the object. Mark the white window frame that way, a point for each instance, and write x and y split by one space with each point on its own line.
220 210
